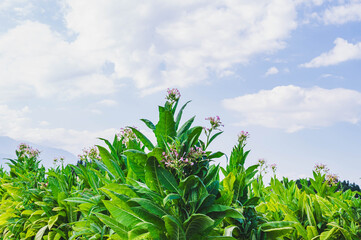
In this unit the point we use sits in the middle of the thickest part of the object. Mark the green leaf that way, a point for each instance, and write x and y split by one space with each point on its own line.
137 161
276 229
39 235
179 116
328 234
52 221
156 152
165 129
216 155
185 127
151 175
174 229
220 237
221 211
148 123
170 197
194 134
214 137
107 159
212 174
114 225
168 181
150 206
228 231
196 225
147 143
126 217
120 189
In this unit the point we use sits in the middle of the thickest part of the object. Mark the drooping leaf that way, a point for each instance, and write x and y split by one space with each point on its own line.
174 228
196 225
147 143
148 123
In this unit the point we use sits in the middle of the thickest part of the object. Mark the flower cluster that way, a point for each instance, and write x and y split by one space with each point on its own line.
172 159
196 153
26 150
262 166
215 123
273 167
89 154
173 95
242 138
127 135
321 168
331 178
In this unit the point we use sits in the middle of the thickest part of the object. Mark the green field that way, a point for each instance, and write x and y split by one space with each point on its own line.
170 189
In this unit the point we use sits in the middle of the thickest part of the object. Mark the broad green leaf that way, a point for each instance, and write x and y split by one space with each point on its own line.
151 175
120 189
40 234
228 231
107 160
137 161
168 181
311 232
174 228
52 221
221 211
150 206
165 129
157 153
126 217
196 225
148 123
121 230
216 155
193 135
328 234
170 197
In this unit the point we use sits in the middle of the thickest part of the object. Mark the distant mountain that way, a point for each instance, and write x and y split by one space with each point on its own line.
47 154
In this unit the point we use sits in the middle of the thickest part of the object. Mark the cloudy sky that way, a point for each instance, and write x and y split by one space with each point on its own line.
287 71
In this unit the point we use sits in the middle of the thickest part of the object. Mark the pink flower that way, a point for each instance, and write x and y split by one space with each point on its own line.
215 122
173 95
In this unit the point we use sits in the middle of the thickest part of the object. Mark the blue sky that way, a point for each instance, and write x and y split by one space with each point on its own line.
286 71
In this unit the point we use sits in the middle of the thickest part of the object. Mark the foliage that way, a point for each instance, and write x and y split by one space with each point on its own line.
169 189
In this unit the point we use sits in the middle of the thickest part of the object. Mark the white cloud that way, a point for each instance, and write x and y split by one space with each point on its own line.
160 44
11 119
37 62
342 51
15 124
271 71
293 108
107 102
329 75
155 43
349 12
